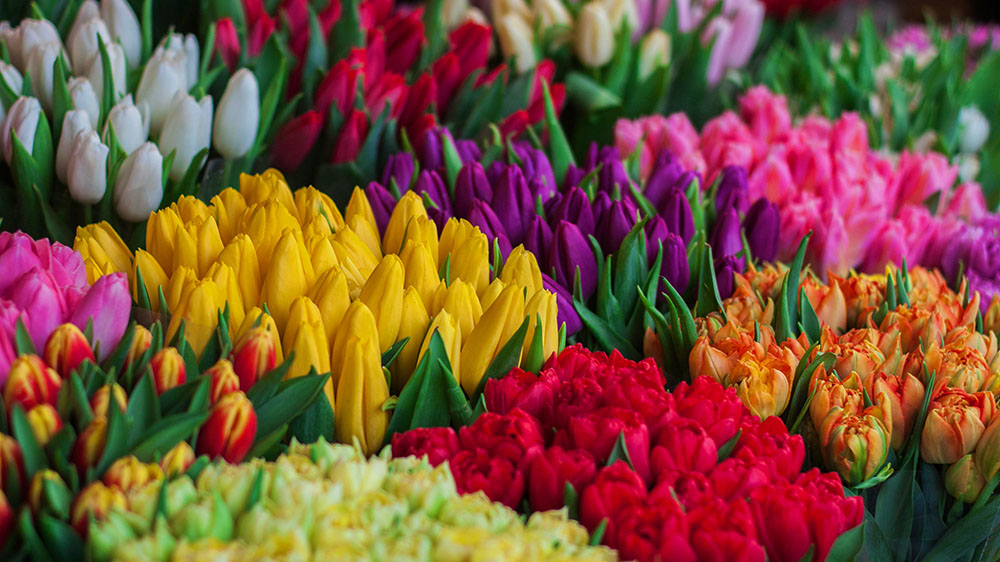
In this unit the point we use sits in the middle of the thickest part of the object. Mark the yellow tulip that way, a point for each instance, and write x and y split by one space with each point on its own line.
448 326
355 258
289 276
240 255
423 230
461 302
440 293
153 277
496 326
198 308
174 290
383 293
413 325
102 249
197 245
521 268
360 394
266 322
321 253
189 208
470 261
228 208
358 208
421 270
491 293
331 296
358 321
306 336
312 204
409 207
359 218
542 305
454 234
161 229
225 277
268 186
264 223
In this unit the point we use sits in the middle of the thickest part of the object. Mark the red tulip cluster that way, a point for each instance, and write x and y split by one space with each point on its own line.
687 475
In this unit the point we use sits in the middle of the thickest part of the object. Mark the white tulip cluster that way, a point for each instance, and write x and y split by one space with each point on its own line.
160 118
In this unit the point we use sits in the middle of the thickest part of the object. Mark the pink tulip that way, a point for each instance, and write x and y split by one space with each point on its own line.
39 297
718 34
888 246
920 176
9 314
657 133
726 140
747 22
19 253
766 113
108 304
966 202
772 179
17 257
850 136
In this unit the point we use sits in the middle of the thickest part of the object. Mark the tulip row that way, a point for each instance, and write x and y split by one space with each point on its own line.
687 475
321 501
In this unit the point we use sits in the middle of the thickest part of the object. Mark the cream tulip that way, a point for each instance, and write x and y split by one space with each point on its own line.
139 185
516 40
84 40
594 38
187 130
236 120
95 73
165 75
84 97
130 123
26 37
21 119
41 68
74 123
87 169
124 28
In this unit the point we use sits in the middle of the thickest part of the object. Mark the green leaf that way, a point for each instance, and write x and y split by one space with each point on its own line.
452 162
108 89
390 354
571 500
314 423
166 433
266 443
22 339
727 448
533 361
292 398
147 31
116 443
143 406
34 456
64 544
562 153
589 95
266 386
32 543
962 538
809 322
56 497
508 357
894 511
620 452
61 100
425 400
598 535
709 299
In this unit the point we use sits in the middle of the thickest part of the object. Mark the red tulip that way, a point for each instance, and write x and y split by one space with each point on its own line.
404 34
352 135
654 532
514 124
515 436
89 444
224 379
66 349
616 488
498 477
470 43
141 340
422 93
535 394
683 445
168 369
230 429
260 26
439 444
253 357
551 470
30 382
374 13
227 43
11 459
447 77
599 430
390 89
338 86
7 519
102 398
295 139
374 57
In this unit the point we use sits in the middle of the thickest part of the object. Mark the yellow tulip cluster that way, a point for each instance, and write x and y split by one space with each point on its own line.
330 288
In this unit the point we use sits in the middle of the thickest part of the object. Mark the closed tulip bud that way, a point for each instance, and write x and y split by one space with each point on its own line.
383 294
461 302
470 261
654 53
230 429
13 78
153 277
30 382
257 318
550 13
101 399
963 480
11 462
289 275
84 98
177 460
75 122
421 270
86 171
168 369
448 327
187 129
570 254
89 445
253 357
594 39
44 422
28 35
413 325
66 349
198 308
517 41
119 72
306 337
409 207
855 446
498 323
129 473
7 519
224 379
22 120
361 391
521 269
161 229
331 295
358 321
139 186
84 39
241 256
96 500
130 123
225 278
37 496
41 63
141 340
162 78
542 307
124 28
236 121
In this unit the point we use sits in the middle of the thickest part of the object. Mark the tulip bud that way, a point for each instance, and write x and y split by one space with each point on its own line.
383 293
306 337
206 518
224 379
141 340
236 121
7 519
12 77
37 496
128 473
177 460
89 444
973 127
361 391
23 40
517 41
594 38
124 28
81 92
30 382
168 368
119 72
413 325
855 446
230 429
130 123
570 254
86 172
163 77
331 295
84 40
139 186
988 450
66 349
41 63
253 357
461 302
654 53
187 44
96 500
44 422
11 462
963 480
22 119
499 322
257 318
187 128
541 310
101 399
551 13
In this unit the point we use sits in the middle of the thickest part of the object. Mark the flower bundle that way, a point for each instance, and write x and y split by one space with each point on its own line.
687 475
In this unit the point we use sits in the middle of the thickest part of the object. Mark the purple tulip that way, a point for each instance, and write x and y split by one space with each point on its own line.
564 305
107 305
535 164
382 203
468 150
666 171
571 253
399 167
762 225
513 203
725 238
618 220
573 177
484 217
432 156
495 170
676 212
538 238
725 269
574 207
430 182
613 175
733 190
656 232
675 262
601 204
471 184
37 294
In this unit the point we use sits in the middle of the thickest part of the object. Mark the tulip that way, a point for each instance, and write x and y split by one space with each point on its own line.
361 391
139 185
571 255
22 120
654 53
761 225
84 39
177 460
66 349
383 293
7 519
40 68
130 124
168 369
306 337
89 445
84 98
30 382
615 225
956 422
594 39
295 139
517 41
615 489
238 116
227 42
30 33
188 44
101 399
257 318
289 275
973 128
964 480
124 28
106 307
726 239
95 501
44 422
207 518
224 379
253 356
230 429
407 210
86 172
676 211
119 72
10 75
495 327
576 208
39 296
37 496
11 462
855 445
162 78
142 339
128 474
187 129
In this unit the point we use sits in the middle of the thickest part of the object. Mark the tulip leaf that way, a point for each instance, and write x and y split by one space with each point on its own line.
176 399
709 299
56 497
571 500
263 445
532 362
809 323
968 533
269 104
292 398
598 535
166 433
486 109
505 360
390 354
631 268
65 545
589 95
894 511
34 456
79 400
562 154
314 423
315 61
266 386
61 100
7 94
606 335
29 536
108 87
347 33
620 452
200 402
255 489
116 441
22 339
53 224
727 448
458 404
810 554
198 465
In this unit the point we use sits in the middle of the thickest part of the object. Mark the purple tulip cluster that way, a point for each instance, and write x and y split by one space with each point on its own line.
971 249
44 285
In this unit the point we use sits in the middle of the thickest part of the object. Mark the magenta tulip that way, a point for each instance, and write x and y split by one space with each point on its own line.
108 304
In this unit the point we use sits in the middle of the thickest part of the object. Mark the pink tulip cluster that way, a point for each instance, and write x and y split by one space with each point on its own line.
44 285
864 208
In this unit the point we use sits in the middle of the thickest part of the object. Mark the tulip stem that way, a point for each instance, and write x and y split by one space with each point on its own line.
88 213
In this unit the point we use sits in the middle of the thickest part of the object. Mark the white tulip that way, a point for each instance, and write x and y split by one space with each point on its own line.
594 38
88 11
139 185
116 56
124 27
30 34
83 41
622 11
516 41
453 12
187 44
87 174
237 119
973 127
164 76
76 121
654 52
13 79
22 119
84 97
187 129
130 123
41 67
